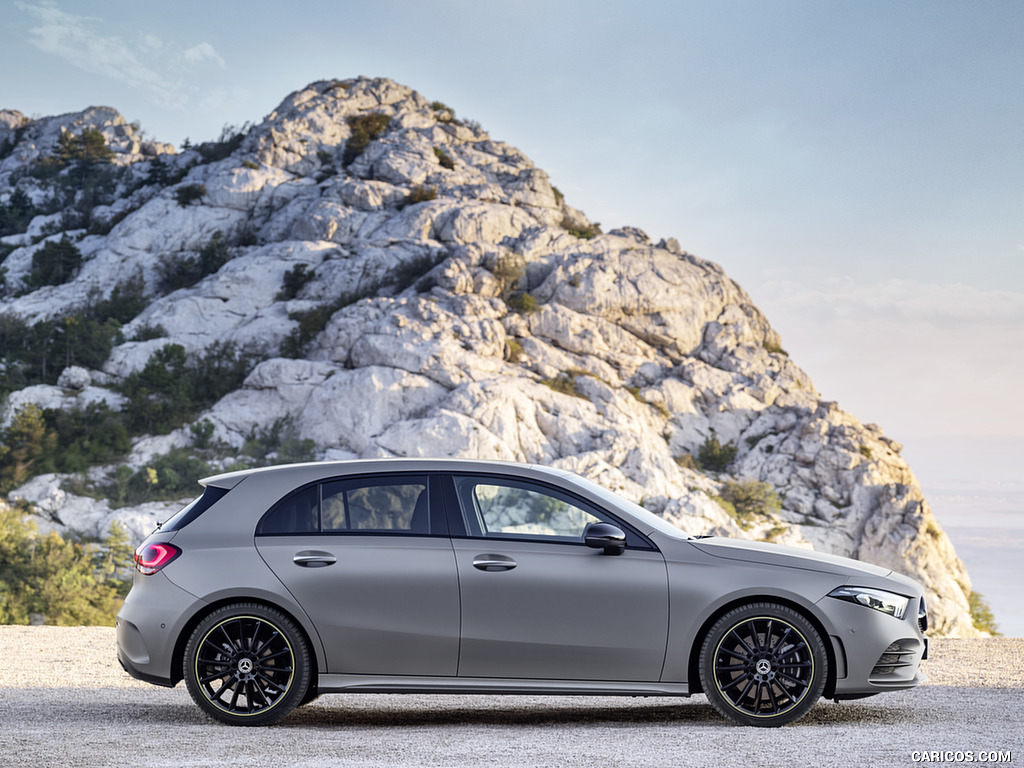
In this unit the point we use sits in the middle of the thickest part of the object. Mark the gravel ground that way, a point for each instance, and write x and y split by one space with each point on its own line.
64 701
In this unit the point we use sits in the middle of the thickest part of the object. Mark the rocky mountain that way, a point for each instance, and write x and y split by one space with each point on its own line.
363 274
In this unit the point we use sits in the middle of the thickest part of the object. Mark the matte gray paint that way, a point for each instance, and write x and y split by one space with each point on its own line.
581 622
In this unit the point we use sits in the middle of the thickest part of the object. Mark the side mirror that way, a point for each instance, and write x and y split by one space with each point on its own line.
605 536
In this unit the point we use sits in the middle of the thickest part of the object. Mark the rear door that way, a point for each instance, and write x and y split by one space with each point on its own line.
370 561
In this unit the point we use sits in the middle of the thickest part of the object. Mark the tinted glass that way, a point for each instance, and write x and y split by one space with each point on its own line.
295 514
398 504
186 515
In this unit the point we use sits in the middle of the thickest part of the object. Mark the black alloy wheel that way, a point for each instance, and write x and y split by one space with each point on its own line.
763 664
247 664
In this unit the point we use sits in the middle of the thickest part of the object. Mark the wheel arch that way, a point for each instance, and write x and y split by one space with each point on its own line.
693 662
178 656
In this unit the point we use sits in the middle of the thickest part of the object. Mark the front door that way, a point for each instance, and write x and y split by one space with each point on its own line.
537 603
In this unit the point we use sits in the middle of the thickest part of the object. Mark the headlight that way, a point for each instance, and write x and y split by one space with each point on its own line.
879 599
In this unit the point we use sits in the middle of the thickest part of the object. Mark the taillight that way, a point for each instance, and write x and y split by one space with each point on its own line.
150 558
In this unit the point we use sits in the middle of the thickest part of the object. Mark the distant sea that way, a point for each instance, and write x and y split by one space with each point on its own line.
975 486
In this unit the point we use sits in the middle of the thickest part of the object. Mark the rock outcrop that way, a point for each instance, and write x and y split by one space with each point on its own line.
464 309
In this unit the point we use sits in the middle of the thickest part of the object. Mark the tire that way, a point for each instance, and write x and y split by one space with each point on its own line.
247 664
763 664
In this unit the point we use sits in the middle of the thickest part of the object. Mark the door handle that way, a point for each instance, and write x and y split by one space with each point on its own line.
313 559
493 563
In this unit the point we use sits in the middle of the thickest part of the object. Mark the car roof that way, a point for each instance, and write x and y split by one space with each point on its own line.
326 469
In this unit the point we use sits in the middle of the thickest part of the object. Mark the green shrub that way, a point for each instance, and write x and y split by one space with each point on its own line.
280 439
294 281
160 394
65 582
172 386
16 214
86 437
749 500
365 128
564 383
686 461
444 158
26 446
522 302
509 270
149 332
981 614
158 173
88 147
189 193
55 263
230 139
37 354
202 434
586 232
515 350
445 114
411 270
715 457
173 475
420 194
312 321
184 270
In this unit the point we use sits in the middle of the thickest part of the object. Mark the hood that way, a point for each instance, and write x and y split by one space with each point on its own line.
792 557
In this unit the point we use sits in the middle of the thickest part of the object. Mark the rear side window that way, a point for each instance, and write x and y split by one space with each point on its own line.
395 504
187 514
386 505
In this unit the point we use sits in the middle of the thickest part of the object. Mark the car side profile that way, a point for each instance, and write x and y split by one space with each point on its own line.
280 584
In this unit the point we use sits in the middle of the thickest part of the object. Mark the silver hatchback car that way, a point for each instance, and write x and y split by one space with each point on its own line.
451 576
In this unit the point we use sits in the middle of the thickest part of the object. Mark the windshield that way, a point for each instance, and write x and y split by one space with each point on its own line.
644 517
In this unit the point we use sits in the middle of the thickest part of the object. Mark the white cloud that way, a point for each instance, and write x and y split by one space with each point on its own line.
200 53
145 65
150 42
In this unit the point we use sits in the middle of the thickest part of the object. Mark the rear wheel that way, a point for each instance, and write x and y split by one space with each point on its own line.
247 664
763 664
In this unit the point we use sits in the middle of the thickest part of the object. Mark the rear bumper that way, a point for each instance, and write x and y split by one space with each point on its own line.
138 674
149 626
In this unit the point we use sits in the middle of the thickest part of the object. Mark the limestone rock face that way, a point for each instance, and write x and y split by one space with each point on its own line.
434 295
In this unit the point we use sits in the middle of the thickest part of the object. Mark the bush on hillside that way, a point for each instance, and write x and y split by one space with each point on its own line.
59 581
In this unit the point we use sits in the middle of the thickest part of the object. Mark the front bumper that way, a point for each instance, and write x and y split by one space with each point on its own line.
880 653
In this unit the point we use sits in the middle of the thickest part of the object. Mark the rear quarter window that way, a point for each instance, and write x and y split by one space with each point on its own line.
198 506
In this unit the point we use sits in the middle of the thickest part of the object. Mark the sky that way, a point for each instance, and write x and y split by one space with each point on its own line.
858 167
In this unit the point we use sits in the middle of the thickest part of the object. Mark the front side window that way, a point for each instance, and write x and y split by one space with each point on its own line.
513 509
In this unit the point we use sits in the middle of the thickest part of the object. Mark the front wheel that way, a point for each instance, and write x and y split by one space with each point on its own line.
763 664
247 664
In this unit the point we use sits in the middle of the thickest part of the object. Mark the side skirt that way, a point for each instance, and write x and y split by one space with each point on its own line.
403 684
